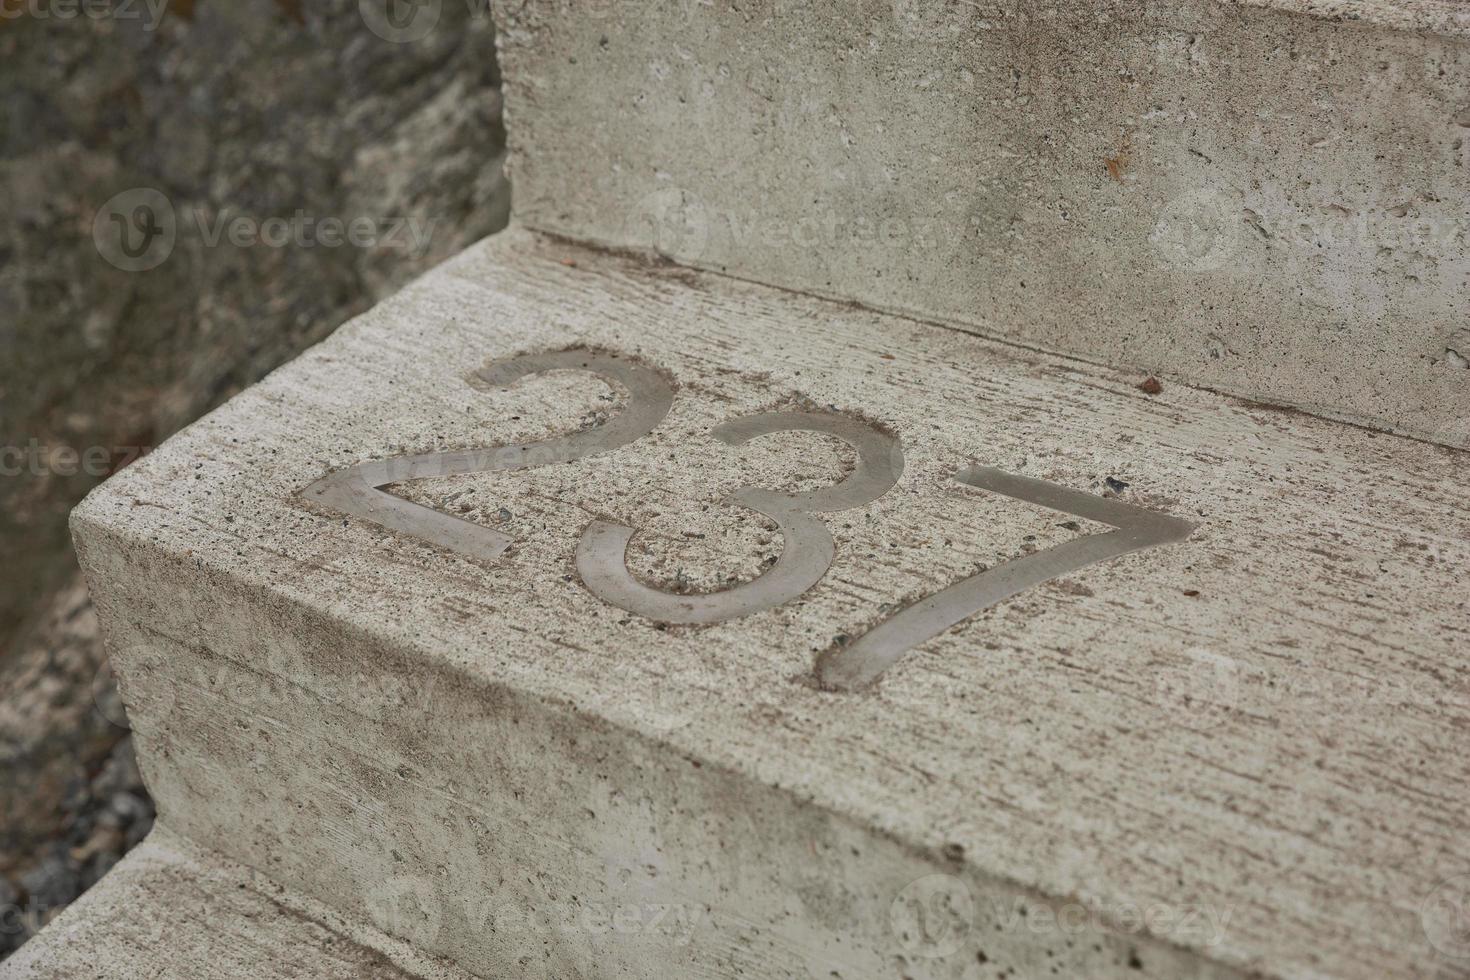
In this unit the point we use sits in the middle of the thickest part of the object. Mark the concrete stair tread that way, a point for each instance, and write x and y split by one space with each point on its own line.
1264 723
173 911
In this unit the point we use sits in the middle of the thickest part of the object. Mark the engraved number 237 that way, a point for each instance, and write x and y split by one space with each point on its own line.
808 549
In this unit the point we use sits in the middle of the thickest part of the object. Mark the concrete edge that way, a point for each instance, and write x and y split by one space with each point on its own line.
981 332
1437 17
92 918
937 855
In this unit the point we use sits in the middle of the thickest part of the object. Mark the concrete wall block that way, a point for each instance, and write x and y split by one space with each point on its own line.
1265 199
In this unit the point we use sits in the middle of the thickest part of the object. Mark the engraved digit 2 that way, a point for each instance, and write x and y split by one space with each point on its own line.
360 490
807 548
865 660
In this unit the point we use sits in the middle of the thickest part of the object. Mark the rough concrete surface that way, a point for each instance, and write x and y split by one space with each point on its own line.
174 911
1239 195
1449 18
1242 754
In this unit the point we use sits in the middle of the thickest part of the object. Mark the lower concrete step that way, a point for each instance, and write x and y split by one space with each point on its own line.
629 621
175 911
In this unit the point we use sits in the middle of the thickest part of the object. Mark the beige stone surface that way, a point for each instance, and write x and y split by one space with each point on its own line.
1237 195
174 911
1239 755
1450 18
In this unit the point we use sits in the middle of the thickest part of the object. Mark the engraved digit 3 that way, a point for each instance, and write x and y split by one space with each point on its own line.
860 664
807 548
360 491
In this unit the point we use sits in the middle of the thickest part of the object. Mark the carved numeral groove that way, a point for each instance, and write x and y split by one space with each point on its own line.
861 663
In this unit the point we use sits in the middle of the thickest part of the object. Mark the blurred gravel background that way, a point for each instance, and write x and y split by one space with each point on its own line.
261 108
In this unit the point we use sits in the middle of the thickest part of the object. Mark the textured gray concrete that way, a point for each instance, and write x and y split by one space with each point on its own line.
1449 18
1269 199
1242 753
174 911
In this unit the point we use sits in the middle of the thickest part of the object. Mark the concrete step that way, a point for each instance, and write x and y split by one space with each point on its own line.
1029 667
174 911
1266 197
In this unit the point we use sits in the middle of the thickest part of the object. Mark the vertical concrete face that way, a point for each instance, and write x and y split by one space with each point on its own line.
174 911
1259 199
520 838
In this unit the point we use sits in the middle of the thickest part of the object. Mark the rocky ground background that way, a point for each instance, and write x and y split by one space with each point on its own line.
228 108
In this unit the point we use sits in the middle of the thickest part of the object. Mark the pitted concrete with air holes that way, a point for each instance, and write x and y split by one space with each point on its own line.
1266 197
1260 728
174 911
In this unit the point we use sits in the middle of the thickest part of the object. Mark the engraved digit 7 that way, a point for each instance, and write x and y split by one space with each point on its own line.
862 663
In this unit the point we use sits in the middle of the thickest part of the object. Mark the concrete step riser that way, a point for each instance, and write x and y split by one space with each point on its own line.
509 834
1268 203
172 910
